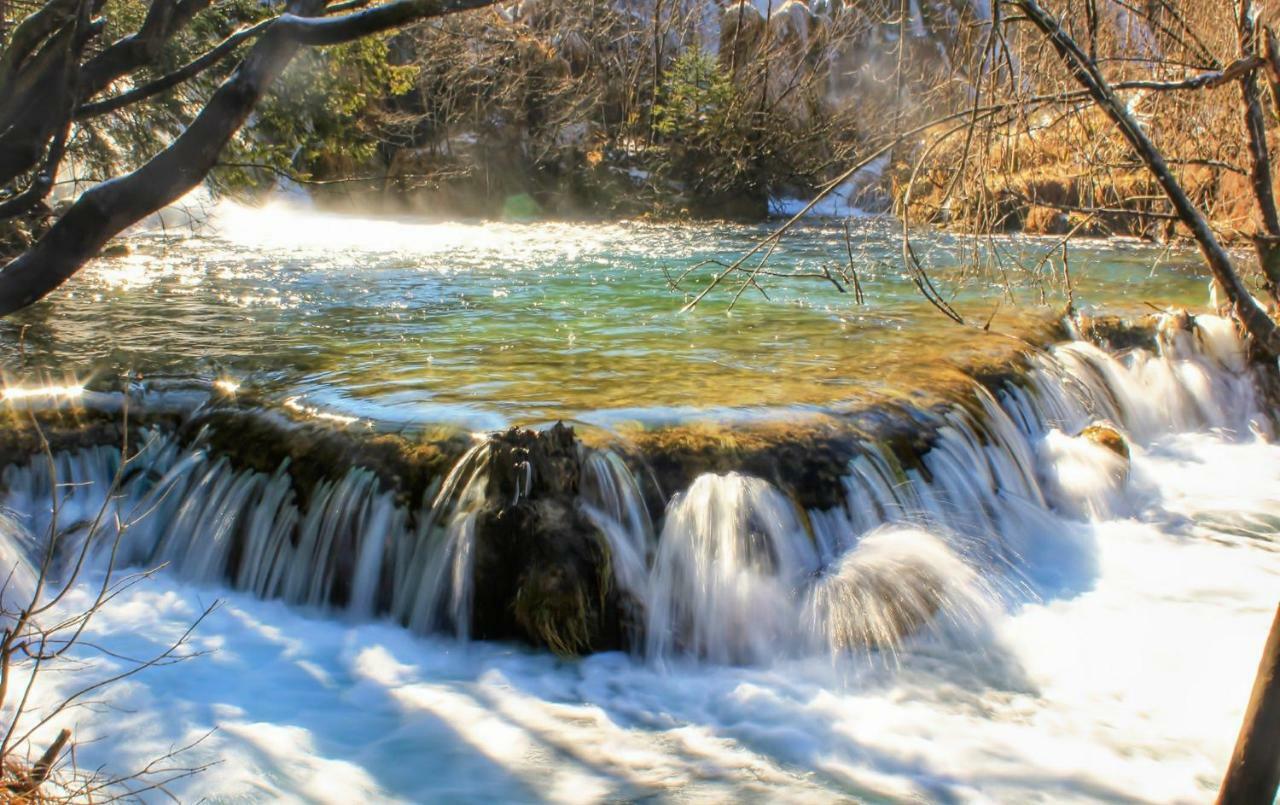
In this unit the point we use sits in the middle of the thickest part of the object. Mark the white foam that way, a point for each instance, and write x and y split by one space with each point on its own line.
1131 683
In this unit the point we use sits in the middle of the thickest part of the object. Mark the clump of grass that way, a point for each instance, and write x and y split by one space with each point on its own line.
554 611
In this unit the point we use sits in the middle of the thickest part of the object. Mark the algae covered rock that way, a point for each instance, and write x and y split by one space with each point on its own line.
1106 435
542 569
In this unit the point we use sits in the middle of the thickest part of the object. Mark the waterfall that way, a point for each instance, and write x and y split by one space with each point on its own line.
737 578
895 580
734 571
435 592
730 556
18 561
211 523
612 500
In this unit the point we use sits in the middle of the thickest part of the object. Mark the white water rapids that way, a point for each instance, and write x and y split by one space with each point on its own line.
1083 629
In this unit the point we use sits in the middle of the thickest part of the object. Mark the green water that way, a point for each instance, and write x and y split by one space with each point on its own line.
482 325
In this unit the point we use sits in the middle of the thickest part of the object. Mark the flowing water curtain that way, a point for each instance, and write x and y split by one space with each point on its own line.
18 551
69 490
347 545
211 523
436 591
739 573
937 543
731 556
893 582
614 503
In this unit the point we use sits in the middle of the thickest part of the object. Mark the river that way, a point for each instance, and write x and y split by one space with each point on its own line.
991 607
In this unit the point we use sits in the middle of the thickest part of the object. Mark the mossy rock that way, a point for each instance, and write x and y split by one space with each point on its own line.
262 439
542 573
1105 435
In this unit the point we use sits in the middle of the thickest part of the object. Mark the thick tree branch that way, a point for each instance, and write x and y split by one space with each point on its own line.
110 207
336 30
107 209
1267 242
1256 124
29 130
164 18
1242 67
30 33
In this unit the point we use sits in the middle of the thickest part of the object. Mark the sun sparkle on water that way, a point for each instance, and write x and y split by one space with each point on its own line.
15 393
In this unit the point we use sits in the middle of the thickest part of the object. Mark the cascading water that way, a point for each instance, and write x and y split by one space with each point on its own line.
1073 486
729 559
349 544
738 572
436 584
895 580
19 557
612 500
211 523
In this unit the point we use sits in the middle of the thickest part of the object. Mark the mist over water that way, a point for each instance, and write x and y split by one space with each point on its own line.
1017 612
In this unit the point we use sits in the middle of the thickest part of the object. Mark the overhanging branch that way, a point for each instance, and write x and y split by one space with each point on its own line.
336 30
108 208
188 71
303 30
1087 74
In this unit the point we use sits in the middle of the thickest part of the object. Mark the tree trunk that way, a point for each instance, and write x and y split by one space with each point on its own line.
1254 773
109 208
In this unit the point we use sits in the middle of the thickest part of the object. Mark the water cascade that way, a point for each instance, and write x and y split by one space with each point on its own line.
434 588
535 535
731 554
611 498
940 540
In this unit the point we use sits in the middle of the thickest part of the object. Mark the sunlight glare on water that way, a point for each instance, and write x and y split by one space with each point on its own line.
279 227
484 324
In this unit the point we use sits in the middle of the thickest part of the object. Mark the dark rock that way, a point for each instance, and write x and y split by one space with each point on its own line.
542 572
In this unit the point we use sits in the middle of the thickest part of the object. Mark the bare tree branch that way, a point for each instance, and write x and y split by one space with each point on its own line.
1082 69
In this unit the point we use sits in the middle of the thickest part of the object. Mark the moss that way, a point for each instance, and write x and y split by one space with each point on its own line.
260 439
73 427
554 613
1107 436
807 458
1115 333
542 571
